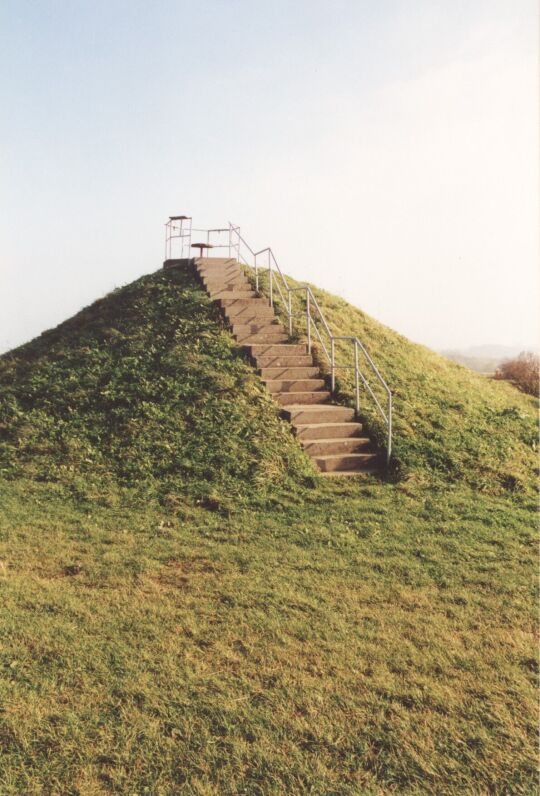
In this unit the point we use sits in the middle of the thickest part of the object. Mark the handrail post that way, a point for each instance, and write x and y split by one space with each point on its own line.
308 321
332 364
356 377
270 275
256 273
389 443
289 311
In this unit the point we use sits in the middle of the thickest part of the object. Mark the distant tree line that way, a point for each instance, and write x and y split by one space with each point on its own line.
523 371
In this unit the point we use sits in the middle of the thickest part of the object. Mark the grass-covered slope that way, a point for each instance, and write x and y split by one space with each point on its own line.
187 609
145 386
449 423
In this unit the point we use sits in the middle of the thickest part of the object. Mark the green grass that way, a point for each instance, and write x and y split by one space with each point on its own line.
450 424
145 387
187 608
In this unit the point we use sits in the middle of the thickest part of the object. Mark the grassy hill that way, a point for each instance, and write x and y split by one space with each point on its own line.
450 424
189 608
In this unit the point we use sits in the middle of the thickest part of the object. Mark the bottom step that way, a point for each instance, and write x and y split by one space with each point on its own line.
358 462
349 473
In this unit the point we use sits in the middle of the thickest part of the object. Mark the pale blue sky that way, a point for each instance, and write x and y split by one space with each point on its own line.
386 150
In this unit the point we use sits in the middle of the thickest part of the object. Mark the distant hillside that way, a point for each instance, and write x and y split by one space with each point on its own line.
491 351
484 358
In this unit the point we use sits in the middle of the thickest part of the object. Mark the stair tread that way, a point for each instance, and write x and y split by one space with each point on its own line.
239 287
215 260
358 456
225 278
231 286
266 348
285 368
269 337
272 325
313 432
329 425
306 370
348 473
312 399
341 440
296 375
329 408
243 302
302 413
313 382
336 462
219 268
226 293
248 314
302 392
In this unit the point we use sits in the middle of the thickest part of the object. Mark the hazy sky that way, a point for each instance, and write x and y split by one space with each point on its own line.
387 150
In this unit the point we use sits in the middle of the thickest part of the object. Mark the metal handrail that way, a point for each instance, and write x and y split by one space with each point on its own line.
312 326
180 227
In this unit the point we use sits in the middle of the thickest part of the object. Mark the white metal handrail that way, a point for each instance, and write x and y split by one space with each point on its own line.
278 285
179 227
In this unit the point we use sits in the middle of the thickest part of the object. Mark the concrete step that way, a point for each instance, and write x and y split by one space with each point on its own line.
295 398
301 385
223 283
348 461
232 294
230 275
220 274
227 284
217 261
368 470
216 291
216 264
230 288
300 415
219 268
262 337
279 367
216 295
326 447
223 275
243 302
271 326
313 431
259 321
291 349
250 314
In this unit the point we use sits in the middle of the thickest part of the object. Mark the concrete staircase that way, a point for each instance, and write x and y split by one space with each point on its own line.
329 433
